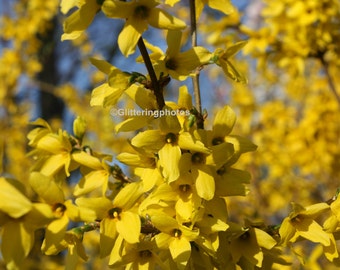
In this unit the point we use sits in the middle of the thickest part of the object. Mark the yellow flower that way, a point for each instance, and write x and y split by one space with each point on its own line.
167 143
17 237
250 245
138 15
12 202
146 100
142 255
95 173
175 237
64 211
19 218
52 150
178 64
224 6
117 216
222 58
300 222
144 165
109 93
79 20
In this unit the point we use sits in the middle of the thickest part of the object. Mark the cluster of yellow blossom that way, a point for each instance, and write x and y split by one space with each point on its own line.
19 60
173 208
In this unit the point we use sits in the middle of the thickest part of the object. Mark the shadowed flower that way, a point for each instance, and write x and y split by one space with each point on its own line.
138 15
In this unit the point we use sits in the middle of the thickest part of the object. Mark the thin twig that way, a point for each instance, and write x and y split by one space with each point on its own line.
156 87
330 79
195 78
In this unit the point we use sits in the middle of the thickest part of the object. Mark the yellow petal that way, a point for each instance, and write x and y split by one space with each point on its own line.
161 19
102 65
129 227
264 239
231 72
54 234
90 182
54 144
66 5
46 188
16 244
108 235
205 183
221 154
184 98
12 201
173 40
117 9
312 231
149 177
54 163
232 183
87 160
164 223
189 60
169 156
331 251
100 93
128 196
224 122
169 123
149 139
97 208
128 37
287 231
232 50
180 250
171 2
222 5
80 20
145 99
133 123
186 141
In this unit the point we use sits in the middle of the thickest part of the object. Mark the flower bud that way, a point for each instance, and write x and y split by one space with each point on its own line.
79 127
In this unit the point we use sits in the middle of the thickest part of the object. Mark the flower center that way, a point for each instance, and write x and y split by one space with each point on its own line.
141 12
217 141
59 209
177 233
145 254
198 158
171 138
171 64
184 188
114 213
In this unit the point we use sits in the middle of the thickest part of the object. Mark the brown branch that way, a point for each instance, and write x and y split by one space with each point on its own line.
195 78
156 86
330 79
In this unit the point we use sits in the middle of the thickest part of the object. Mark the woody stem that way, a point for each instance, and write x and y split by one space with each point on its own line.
195 78
156 87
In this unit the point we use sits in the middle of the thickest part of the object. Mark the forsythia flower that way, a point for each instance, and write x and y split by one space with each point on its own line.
53 150
63 211
138 15
250 245
174 236
301 223
19 218
78 21
117 217
224 6
168 143
222 58
178 64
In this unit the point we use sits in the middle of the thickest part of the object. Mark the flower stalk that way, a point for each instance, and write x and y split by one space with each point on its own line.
156 86
195 78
